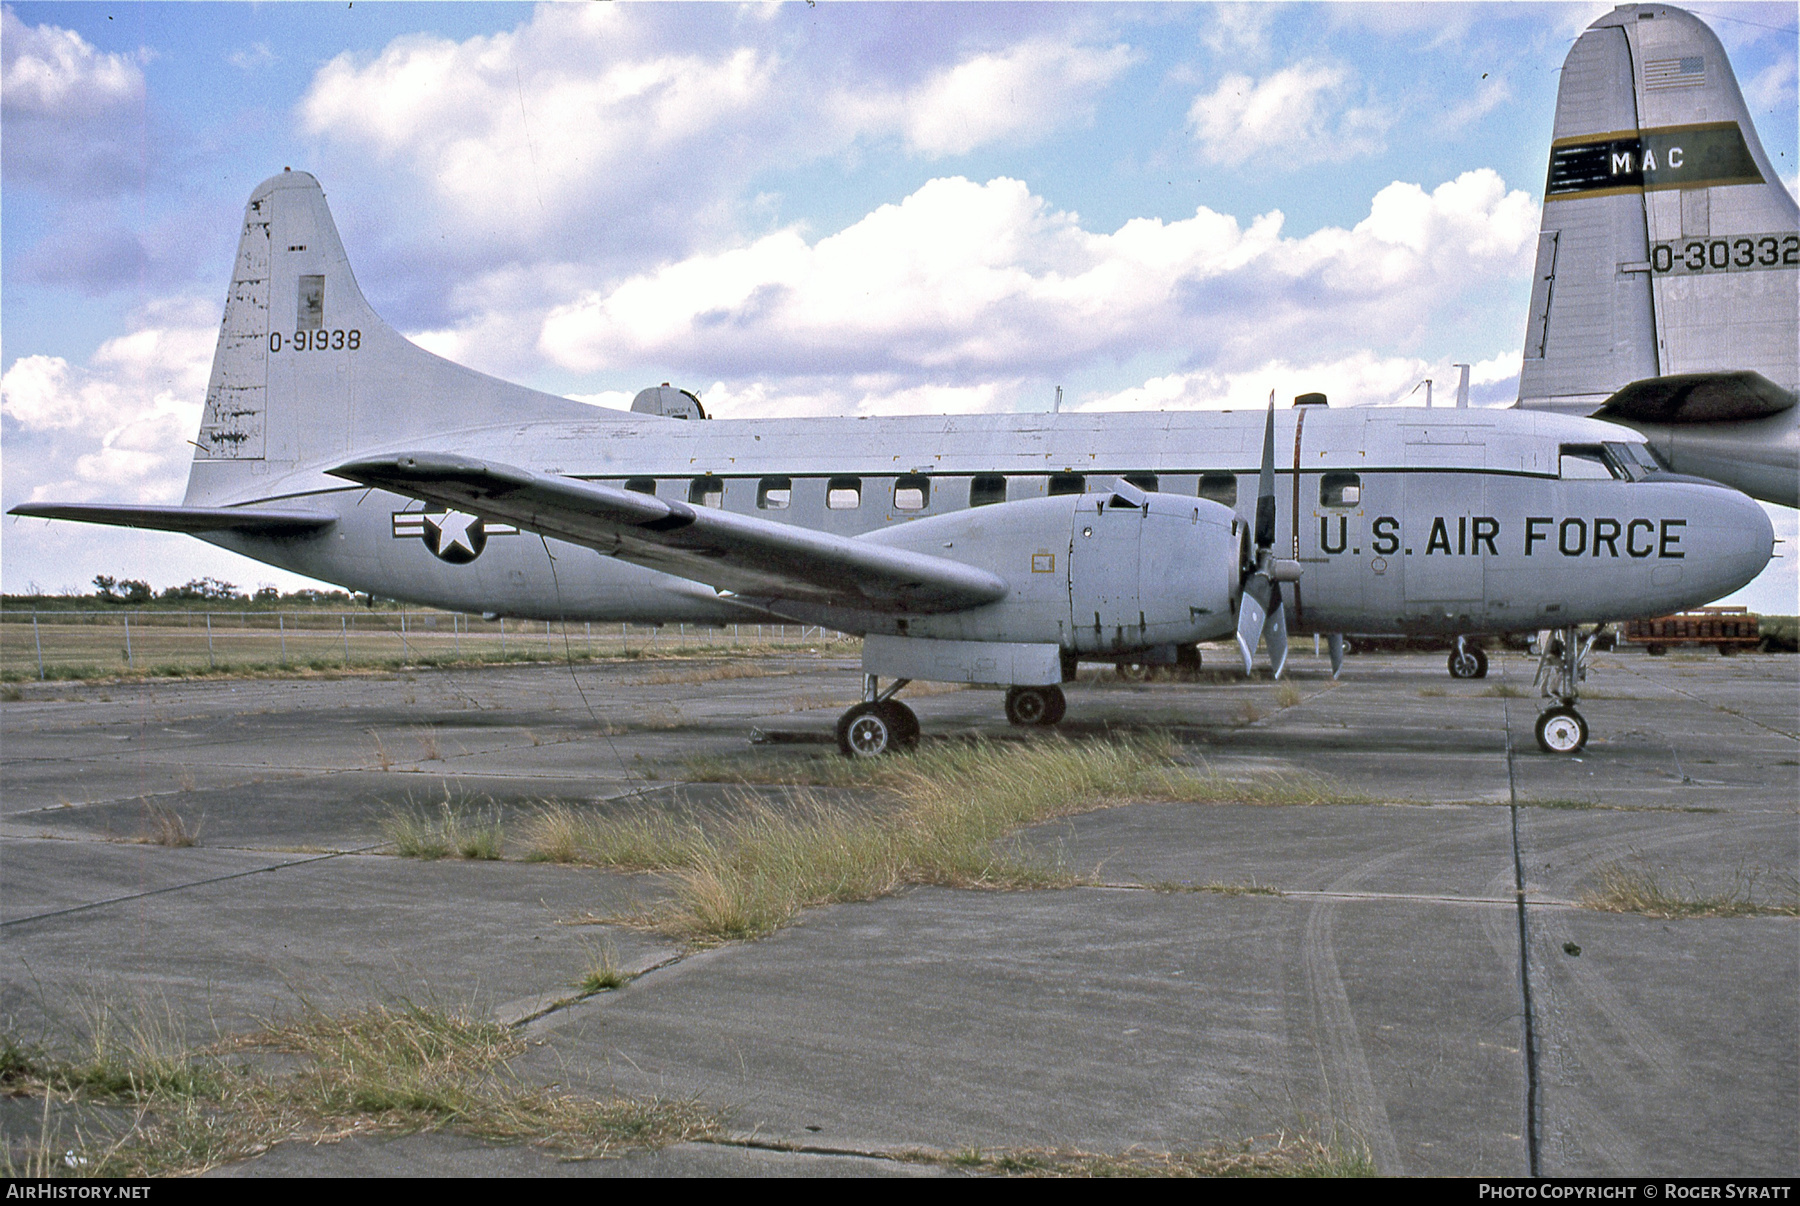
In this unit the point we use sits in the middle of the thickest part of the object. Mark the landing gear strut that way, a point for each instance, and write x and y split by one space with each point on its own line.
1561 668
1035 705
1467 661
880 724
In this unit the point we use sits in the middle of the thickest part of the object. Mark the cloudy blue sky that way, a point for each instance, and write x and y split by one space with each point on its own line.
592 198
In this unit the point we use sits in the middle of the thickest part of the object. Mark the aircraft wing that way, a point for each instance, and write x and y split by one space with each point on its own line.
746 556
182 519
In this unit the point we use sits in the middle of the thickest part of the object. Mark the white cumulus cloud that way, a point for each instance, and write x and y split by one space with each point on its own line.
622 133
963 280
118 427
1025 90
1300 115
73 115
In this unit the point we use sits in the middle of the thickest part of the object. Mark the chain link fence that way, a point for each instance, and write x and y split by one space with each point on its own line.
74 644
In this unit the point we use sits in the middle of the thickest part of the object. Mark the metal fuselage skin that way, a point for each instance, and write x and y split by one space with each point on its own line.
1405 520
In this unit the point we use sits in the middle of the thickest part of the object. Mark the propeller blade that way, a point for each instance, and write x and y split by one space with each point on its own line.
1335 643
1251 618
1265 485
1275 632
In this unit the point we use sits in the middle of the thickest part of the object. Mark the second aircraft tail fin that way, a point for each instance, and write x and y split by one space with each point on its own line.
1669 246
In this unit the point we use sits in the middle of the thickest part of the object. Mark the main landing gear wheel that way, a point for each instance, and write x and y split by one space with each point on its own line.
1561 730
870 730
1035 705
1468 663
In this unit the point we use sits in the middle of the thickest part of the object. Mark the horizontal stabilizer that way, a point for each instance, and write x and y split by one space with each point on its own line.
1697 398
250 521
753 558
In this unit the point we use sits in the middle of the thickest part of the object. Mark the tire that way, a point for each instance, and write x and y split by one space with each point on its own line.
868 730
1655 650
1561 730
1035 705
905 722
1187 663
1470 663
1727 650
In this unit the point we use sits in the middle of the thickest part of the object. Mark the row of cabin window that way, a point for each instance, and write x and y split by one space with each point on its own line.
913 491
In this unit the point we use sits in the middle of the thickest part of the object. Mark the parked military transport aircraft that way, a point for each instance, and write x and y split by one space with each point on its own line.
1667 286
993 549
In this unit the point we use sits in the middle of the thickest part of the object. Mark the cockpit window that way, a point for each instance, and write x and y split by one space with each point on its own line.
1637 459
1586 462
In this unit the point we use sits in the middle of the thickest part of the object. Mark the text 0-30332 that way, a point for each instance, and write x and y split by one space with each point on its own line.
1739 253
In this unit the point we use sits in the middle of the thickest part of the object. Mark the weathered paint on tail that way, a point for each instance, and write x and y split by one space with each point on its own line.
306 374
1669 245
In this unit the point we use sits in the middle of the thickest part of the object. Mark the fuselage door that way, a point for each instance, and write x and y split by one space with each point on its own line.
1444 517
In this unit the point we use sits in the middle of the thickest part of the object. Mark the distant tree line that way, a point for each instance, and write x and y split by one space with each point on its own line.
108 589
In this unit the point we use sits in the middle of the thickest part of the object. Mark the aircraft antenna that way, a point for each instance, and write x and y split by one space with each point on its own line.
1462 387
1056 406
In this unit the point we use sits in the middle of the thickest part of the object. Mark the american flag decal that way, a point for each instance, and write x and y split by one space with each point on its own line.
1688 72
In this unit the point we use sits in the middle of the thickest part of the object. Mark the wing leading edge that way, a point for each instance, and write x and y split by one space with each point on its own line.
750 557
193 520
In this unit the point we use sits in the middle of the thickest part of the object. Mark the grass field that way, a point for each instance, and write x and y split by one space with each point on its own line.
61 645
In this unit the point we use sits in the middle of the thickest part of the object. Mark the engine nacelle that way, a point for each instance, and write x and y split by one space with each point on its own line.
1161 572
1092 573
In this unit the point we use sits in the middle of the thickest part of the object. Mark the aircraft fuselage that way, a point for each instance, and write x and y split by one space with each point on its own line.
1427 521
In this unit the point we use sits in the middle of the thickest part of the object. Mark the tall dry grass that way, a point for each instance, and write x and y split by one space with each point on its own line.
942 815
386 1068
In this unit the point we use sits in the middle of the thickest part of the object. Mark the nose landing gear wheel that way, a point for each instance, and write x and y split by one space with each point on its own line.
870 730
1035 705
1468 663
1561 730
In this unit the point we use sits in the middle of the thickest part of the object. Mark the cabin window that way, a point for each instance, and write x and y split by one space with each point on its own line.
1340 490
774 493
1068 483
912 492
843 493
707 492
986 489
1584 462
1143 481
1220 488
641 485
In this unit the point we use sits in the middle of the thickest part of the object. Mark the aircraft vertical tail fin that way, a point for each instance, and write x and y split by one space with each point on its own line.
1669 246
306 373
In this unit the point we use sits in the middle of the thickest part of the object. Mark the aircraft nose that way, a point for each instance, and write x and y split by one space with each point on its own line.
1732 541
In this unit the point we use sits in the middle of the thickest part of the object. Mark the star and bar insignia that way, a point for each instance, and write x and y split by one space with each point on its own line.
451 536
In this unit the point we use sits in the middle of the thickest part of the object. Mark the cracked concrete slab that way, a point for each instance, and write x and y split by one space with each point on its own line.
1381 995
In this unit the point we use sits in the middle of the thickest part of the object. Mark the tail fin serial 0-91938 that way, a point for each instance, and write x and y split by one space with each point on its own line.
1666 293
